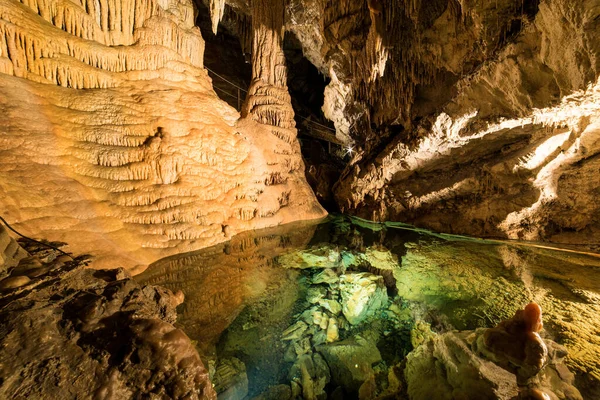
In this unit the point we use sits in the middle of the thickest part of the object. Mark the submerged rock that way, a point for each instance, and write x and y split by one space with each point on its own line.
316 257
362 295
325 276
295 331
311 373
332 306
351 361
314 294
332 330
279 392
231 380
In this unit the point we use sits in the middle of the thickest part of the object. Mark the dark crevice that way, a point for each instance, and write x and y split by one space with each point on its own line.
224 59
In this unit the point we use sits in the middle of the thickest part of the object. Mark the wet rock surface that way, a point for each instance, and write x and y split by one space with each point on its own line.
71 332
505 362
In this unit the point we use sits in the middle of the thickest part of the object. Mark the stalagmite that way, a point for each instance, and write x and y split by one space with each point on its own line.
268 100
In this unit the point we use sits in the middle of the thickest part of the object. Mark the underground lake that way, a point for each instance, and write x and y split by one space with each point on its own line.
347 308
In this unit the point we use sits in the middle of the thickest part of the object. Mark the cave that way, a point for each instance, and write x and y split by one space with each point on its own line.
299 199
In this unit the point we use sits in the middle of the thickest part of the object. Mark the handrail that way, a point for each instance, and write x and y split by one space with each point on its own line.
245 91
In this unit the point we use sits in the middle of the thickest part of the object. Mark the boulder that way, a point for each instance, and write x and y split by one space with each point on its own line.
231 380
445 368
363 294
77 331
351 361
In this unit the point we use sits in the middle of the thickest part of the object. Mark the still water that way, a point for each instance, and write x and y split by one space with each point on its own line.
336 309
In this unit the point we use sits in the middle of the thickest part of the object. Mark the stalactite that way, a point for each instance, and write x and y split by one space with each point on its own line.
31 53
217 9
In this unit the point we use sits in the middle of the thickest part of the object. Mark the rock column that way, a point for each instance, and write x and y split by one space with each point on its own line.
268 100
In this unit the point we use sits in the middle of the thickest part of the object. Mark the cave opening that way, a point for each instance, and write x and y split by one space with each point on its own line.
225 59
323 153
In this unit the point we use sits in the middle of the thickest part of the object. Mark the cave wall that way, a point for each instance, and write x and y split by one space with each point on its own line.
513 151
114 142
463 116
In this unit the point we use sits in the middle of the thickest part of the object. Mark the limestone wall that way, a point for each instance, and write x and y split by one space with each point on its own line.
10 251
113 140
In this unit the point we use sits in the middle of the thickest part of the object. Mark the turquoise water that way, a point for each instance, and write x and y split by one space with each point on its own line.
332 310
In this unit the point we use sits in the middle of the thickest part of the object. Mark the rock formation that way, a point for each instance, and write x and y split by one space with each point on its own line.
508 361
461 116
446 367
114 141
10 251
67 331
496 109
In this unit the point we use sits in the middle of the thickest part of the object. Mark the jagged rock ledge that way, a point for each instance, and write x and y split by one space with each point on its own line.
66 330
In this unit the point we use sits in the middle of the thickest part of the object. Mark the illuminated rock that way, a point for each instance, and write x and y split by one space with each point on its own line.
114 141
517 342
332 331
362 294
315 257
10 251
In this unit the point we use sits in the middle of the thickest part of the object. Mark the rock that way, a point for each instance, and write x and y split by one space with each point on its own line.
516 342
351 361
326 276
368 390
420 333
313 374
332 306
37 272
444 367
380 258
316 257
27 264
295 331
290 353
332 331
11 253
363 294
84 322
324 322
279 392
315 293
317 317
319 338
302 346
453 365
231 380
296 389
13 282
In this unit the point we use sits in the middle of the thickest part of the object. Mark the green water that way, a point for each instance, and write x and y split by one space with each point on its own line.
260 307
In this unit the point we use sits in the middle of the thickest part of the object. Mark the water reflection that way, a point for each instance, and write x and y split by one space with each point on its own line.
332 309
